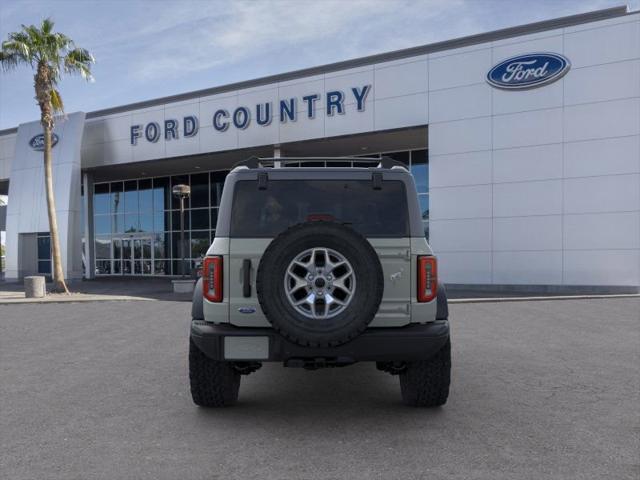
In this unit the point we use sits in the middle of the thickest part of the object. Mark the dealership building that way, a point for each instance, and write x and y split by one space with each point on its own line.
524 144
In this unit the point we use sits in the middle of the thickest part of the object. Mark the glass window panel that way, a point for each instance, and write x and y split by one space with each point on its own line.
420 170
200 190
102 224
117 267
177 267
372 213
179 180
175 220
131 203
117 197
117 223
44 266
426 229
146 267
103 267
399 156
101 198
146 222
126 248
424 206
161 194
175 244
162 267
160 243
44 247
146 248
199 244
145 195
117 248
161 221
137 248
214 218
200 219
217 182
126 267
131 222
103 247
137 267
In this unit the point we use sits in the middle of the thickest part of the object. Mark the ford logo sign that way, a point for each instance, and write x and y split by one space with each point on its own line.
528 71
248 310
37 142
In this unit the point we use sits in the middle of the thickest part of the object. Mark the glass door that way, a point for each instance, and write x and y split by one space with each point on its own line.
132 256
142 256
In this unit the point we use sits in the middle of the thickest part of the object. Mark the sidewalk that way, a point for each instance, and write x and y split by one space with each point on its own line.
103 289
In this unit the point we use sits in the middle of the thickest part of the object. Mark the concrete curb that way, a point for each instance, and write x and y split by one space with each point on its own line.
540 299
75 299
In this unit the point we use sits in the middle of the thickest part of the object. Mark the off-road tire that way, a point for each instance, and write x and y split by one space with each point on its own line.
342 327
213 383
426 383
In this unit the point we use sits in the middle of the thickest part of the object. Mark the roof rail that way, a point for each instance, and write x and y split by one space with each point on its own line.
258 162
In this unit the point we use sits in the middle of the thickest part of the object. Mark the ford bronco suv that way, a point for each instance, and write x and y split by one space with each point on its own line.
319 267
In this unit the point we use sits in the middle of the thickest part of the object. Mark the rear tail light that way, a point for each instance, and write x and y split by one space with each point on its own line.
427 278
212 278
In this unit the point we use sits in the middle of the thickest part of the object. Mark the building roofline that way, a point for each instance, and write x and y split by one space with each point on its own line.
494 35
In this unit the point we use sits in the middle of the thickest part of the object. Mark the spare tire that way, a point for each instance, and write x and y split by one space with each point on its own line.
320 283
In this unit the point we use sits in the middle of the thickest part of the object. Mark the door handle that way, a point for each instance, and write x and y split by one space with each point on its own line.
246 278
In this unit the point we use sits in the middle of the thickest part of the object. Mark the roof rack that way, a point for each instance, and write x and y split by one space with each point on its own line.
258 162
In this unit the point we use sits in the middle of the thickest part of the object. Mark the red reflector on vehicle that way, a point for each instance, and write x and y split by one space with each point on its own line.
212 279
427 278
320 217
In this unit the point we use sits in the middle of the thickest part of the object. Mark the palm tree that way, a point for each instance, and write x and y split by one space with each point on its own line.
50 55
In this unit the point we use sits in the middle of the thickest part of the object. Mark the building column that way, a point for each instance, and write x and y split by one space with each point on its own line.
276 154
89 254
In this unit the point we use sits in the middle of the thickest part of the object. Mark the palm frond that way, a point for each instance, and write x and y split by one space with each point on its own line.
56 101
47 26
9 61
79 61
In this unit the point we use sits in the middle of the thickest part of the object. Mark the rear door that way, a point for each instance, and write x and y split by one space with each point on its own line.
260 214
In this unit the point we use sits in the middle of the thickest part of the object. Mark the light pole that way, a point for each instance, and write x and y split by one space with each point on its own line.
182 192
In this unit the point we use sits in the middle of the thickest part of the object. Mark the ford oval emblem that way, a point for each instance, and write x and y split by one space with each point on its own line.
37 142
528 71
247 310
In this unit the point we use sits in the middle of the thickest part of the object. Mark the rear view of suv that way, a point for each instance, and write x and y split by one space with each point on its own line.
319 267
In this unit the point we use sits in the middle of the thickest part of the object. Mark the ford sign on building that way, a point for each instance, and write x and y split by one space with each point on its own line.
528 71
524 144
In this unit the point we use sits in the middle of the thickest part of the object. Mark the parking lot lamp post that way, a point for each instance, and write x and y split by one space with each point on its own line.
182 192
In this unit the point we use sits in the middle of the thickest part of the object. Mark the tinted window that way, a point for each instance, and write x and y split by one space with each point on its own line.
266 213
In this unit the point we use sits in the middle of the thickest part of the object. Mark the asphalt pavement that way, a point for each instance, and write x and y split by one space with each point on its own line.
540 390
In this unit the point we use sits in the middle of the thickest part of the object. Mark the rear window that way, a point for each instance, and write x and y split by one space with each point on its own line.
266 213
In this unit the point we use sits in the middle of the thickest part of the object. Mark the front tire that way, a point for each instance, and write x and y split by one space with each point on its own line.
426 383
213 383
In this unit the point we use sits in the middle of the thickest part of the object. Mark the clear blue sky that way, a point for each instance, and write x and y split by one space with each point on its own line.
149 49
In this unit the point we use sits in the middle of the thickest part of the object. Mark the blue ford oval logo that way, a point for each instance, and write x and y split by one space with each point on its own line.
528 71
247 310
37 142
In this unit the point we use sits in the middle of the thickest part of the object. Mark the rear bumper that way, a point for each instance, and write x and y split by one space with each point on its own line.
410 343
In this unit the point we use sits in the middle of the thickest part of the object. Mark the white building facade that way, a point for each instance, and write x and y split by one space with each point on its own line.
528 172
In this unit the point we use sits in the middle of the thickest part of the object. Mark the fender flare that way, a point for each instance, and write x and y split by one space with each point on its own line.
442 312
197 312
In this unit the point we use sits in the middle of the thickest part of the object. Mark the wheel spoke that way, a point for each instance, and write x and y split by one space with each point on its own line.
300 282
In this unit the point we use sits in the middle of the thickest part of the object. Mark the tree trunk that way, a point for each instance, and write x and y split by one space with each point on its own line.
43 86
59 284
